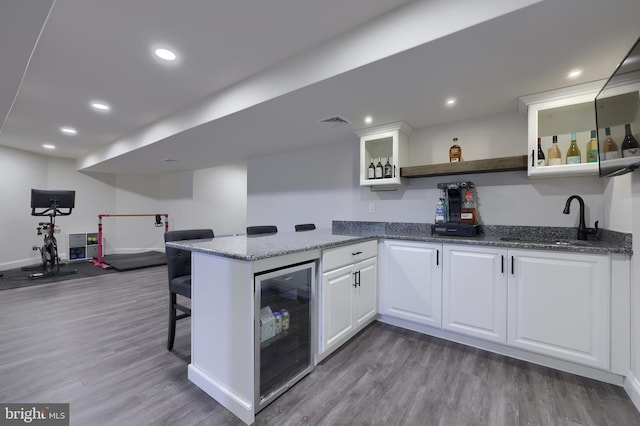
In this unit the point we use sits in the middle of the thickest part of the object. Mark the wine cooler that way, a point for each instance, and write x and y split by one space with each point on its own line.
285 329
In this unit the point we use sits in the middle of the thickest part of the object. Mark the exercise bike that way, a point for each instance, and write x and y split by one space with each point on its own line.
51 204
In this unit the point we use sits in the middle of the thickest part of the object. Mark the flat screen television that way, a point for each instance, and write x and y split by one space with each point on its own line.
617 105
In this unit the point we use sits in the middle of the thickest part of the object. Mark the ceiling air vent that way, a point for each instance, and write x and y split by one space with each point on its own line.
334 121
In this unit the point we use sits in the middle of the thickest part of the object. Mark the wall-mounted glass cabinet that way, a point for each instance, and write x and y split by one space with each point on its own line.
383 151
561 115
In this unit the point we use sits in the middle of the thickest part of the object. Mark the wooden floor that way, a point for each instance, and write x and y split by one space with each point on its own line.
98 343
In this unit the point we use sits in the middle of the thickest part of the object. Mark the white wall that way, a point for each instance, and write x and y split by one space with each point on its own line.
635 281
19 172
220 199
321 184
314 185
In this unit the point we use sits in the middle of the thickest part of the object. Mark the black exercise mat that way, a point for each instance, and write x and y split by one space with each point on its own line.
14 278
128 262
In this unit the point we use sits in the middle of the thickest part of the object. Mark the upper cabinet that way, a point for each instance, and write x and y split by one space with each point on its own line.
383 151
618 115
562 113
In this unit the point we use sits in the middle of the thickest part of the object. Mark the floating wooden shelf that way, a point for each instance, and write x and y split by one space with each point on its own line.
503 164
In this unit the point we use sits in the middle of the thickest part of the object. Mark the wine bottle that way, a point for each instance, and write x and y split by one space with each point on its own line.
573 153
468 209
379 169
555 156
630 146
371 171
610 146
541 159
592 148
455 152
388 169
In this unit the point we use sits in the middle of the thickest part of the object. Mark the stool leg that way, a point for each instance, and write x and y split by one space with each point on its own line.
172 320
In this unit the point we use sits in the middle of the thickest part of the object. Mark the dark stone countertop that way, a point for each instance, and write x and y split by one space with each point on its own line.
524 237
256 247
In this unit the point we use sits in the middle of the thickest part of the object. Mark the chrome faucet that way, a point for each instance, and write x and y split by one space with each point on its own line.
583 231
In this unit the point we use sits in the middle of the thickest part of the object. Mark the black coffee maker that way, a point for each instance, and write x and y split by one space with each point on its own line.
460 214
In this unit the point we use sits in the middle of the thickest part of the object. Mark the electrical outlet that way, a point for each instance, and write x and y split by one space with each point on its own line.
372 207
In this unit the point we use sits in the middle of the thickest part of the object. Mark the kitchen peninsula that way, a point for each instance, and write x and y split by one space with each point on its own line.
225 318
224 350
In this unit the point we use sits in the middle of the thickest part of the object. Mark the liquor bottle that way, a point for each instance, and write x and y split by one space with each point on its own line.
468 209
371 171
455 152
440 214
555 156
592 148
379 169
610 146
388 169
630 147
541 160
573 153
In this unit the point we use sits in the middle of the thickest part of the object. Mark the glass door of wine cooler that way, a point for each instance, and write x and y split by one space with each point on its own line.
285 324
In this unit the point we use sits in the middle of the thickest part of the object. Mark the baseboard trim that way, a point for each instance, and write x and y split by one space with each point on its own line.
632 386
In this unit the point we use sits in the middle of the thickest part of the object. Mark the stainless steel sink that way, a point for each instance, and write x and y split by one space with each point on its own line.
581 243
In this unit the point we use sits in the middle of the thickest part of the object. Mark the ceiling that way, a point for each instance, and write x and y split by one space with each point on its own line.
256 77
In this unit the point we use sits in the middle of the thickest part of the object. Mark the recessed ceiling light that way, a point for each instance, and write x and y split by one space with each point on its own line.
450 102
165 54
368 119
574 73
68 130
48 146
100 106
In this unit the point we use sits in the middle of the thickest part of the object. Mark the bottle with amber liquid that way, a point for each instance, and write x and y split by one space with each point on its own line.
555 156
468 209
630 146
573 153
592 148
455 152
611 151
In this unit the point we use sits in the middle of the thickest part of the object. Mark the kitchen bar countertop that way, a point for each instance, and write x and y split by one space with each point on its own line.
256 247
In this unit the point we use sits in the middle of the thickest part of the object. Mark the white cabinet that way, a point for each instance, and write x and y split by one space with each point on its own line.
411 283
561 112
559 305
474 292
83 246
348 293
380 143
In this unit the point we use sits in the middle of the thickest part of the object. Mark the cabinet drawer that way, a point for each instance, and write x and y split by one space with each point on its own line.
345 255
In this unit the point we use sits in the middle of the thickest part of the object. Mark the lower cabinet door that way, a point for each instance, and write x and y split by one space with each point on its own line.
411 286
366 297
559 305
474 292
336 306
